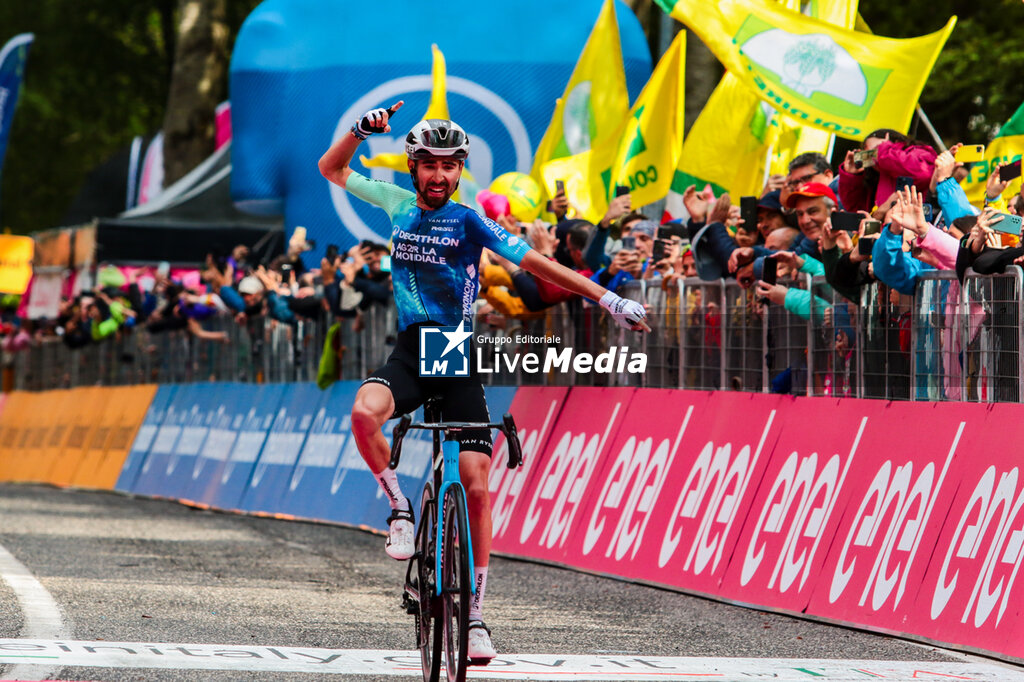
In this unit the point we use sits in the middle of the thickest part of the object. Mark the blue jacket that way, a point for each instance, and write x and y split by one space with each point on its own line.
952 200
894 267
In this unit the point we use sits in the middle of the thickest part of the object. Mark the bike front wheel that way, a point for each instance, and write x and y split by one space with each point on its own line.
428 625
456 582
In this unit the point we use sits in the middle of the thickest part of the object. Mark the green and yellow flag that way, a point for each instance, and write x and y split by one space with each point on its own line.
836 79
595 101
739 139
728 143
641 155
1006 147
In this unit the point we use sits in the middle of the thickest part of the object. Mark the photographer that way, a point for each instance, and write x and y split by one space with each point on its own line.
868 183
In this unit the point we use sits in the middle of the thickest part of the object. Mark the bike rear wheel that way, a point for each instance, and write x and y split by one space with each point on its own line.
456 582
428 628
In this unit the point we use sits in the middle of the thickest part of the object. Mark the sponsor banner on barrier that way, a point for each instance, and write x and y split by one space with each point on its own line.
90 404
806 487
901 488
536 409
308 494
626 515
219 439
131 404
678 486
145 437
153 474
971 593
273 469
226 483
556 479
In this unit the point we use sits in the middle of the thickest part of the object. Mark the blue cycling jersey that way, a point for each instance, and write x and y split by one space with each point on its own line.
435 255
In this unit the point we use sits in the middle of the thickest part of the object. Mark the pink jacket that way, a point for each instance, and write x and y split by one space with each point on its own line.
894 159
942 245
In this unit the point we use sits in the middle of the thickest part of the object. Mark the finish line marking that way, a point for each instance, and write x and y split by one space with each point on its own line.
282 659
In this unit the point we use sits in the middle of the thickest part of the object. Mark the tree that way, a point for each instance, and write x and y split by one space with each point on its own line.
198 84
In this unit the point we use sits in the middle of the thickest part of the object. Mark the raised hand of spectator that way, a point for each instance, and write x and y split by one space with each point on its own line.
740 257
773 183
776 293
848 164
945 164
560 205
994 186
696 204
721 210
982 234
882 213
510 224
618 207
790 260
910 206
620 261
543 241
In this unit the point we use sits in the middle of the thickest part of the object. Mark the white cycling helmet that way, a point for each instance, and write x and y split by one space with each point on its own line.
437 137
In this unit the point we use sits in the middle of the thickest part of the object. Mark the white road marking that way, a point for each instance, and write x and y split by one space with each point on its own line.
42 617
282 659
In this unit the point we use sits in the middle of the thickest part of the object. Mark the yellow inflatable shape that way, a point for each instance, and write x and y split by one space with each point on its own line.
523 194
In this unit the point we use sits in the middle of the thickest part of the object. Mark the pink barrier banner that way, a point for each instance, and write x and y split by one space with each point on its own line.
556 478
536 409
806 486
970 592
673 492
898 517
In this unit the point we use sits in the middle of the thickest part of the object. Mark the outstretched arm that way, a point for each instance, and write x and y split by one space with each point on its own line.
334 164
627 313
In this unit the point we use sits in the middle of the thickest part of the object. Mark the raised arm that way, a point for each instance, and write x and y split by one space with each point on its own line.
628 314
334 164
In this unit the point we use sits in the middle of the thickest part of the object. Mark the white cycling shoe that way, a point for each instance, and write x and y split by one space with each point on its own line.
480 651
401 535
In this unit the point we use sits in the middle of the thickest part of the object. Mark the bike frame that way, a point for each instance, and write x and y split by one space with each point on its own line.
448 460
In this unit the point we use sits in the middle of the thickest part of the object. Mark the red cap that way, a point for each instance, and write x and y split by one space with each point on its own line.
812 189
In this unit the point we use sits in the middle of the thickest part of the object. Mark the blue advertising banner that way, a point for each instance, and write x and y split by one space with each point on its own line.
223 423
303 71
168 468
309 488
145 437
12 71
273 470
255 409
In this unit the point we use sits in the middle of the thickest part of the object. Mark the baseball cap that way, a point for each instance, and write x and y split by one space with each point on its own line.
250 285
812 189
771 201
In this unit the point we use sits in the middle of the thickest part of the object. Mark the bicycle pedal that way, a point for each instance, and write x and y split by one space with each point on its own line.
411 606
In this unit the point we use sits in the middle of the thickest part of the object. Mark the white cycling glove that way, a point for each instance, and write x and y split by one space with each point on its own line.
373 121
625 312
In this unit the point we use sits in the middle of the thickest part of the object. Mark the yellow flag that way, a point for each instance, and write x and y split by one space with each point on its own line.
653 137
793 137
841 81
1006 147
438 107
728 143
641 155
595 101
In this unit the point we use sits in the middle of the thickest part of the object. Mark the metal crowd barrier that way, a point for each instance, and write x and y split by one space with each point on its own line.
946 342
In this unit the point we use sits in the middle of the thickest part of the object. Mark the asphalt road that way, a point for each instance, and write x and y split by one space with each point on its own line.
138 570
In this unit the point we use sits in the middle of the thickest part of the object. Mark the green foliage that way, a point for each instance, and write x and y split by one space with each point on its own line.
97 76
976 85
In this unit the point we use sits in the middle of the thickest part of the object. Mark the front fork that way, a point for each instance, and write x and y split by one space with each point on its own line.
451 477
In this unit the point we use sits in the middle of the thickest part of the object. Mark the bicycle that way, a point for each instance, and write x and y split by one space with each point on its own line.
441 607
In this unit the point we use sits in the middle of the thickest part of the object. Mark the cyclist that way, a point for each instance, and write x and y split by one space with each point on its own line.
435 255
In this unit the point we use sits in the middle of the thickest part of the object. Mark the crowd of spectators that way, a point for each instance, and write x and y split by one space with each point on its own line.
910 215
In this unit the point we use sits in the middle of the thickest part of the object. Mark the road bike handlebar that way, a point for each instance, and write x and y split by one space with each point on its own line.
507 426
